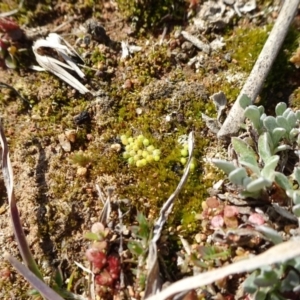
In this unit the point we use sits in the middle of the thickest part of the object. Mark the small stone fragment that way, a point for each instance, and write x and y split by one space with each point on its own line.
64 142
83 117
196 42
116 147
295 59
256 219
71 135
81 171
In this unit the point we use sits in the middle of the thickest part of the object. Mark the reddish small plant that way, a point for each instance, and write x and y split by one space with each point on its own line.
7 25
10 33
97 258
219 214
106 267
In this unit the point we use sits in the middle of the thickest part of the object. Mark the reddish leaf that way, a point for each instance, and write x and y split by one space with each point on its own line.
104 278
7 24
97 258
212 202
256 219
217 222
114 266
230 211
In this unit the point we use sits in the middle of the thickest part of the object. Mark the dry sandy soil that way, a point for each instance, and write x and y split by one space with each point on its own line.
159 91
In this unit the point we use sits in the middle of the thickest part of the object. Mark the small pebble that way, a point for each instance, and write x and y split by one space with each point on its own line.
71 135
64 142
116 147
81 171
228 57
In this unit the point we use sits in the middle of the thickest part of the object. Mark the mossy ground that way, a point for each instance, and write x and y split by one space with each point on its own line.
164 101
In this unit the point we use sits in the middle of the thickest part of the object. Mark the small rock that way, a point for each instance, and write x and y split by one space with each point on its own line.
64 142
127 84
83 117
187 46
139 111
116 147
177 34
228 57
198 238
89 137
71 135
36 117
81 171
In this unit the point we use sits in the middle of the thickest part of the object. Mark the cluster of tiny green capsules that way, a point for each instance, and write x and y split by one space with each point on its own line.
184 157
138 151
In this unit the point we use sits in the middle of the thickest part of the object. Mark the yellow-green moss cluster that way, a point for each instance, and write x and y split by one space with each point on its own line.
184 152
138 151
247 44
150 13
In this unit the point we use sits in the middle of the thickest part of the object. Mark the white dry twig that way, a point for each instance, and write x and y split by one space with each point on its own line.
12 12
153 283
196 42
129 49
261 68
45 291
62 49
277 254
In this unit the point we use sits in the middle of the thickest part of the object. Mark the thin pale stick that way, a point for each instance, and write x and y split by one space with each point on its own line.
261 68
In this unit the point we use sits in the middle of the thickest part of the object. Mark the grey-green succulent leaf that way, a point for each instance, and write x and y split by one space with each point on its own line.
247 162
296 210
290 281
298 142
297 174
298 115
255 195
245 101
253 114
286 112
258 184
270 233
282 181
262 117
296 197
224 165
269 169
293 134
292 119
270 123
282 122
261 109
244 150
266 279
280 108
282 148
277 134
248 285
246 181
265 146
237 176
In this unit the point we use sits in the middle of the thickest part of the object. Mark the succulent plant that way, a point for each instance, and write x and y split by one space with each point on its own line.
106 267
138 150
256 170
257 163
254 173
10 32
283 127
281 281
